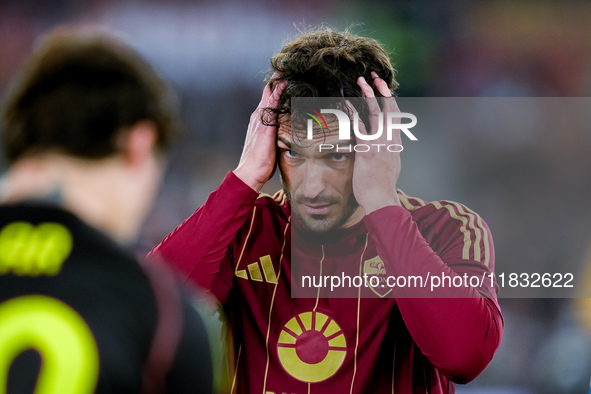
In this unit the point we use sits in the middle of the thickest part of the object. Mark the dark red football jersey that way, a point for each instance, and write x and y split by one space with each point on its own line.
246 248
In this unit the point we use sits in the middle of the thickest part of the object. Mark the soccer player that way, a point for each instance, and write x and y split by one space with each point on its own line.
84 130
348 217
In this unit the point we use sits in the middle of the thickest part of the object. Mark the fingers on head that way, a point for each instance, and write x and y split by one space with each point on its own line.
365 87
275 76
268 92
266 95
370 98
388 101
350 106
276 95
381 85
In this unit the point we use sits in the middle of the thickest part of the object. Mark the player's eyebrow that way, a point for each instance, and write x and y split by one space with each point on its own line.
339 148
285 141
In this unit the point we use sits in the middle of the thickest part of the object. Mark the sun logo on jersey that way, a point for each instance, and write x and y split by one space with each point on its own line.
311 347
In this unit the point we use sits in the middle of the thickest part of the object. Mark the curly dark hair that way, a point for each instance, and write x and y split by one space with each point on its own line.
77 91
326 63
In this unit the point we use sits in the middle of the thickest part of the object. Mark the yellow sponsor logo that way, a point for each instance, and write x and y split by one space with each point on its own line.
311 347
31 250
59 334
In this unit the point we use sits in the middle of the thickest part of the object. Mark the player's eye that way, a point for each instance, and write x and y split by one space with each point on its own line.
338 157
292 154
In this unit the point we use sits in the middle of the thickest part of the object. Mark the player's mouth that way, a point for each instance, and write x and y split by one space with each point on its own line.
317 209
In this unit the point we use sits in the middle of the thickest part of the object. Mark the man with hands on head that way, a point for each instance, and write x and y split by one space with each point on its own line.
349 218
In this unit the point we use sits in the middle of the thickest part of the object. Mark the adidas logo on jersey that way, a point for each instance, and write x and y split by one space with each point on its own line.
254 271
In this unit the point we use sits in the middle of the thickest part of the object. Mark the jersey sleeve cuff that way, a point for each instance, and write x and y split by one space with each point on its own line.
236 186
385 216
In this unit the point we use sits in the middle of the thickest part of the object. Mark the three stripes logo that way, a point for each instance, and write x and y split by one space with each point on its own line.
254 271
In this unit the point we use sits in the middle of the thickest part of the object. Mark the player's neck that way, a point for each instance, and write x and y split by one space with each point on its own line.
355 218
86 188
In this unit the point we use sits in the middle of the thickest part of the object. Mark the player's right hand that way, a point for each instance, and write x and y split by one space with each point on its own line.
257 163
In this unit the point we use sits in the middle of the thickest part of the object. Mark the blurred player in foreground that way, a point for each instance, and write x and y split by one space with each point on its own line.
348 218
84 130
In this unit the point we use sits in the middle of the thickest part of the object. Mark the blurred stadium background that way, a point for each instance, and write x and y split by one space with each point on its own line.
533 189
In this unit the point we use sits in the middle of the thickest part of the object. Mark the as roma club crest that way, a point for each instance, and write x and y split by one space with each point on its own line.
376 267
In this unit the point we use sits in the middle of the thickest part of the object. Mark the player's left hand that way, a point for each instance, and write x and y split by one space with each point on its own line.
375 174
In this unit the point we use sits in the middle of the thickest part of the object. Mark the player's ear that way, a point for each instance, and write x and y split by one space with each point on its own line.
140 142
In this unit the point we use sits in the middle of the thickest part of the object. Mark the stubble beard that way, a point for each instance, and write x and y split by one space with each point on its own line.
319 224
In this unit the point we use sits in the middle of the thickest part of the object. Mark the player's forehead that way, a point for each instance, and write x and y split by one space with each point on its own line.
299 135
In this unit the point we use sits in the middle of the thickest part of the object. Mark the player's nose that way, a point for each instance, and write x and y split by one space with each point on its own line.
313 183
